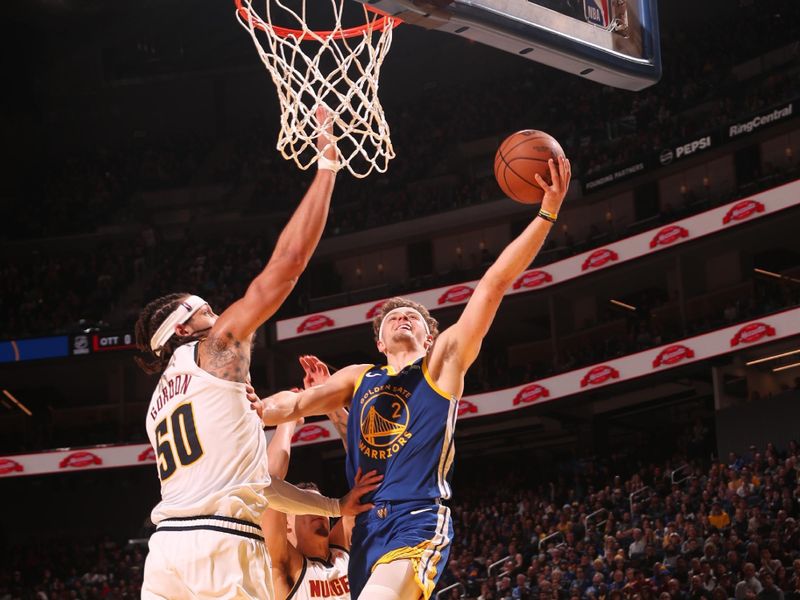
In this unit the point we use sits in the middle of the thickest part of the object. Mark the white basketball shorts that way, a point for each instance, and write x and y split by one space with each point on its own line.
207 557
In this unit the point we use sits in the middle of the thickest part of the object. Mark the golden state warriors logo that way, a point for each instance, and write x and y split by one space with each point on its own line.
384 421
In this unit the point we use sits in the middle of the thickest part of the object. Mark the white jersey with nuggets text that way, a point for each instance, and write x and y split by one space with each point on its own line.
321 579
210 448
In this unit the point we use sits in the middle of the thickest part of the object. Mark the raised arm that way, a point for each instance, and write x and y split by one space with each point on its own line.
318 400
225 352
285 558
462 342
292 252
279 449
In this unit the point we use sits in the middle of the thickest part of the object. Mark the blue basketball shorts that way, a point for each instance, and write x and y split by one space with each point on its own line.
416 530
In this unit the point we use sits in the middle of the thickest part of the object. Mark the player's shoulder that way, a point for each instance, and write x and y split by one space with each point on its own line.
358 368
355 371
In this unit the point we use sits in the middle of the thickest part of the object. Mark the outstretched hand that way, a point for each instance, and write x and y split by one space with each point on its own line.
554 194
350 504
315 371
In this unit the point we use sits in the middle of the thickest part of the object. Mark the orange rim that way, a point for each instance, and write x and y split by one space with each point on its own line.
379 24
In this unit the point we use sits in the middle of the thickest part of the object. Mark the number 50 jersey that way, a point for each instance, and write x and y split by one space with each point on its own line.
209 445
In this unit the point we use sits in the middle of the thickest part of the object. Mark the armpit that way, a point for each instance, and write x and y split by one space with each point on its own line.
225 357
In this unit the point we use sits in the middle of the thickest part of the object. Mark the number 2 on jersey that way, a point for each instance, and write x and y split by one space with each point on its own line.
178 440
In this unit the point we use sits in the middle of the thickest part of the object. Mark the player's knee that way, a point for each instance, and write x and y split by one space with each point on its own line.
392 581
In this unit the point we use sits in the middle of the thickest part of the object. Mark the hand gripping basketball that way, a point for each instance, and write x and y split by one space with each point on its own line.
554 193
519 157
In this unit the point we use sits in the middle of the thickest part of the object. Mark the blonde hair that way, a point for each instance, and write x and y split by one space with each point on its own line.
398 302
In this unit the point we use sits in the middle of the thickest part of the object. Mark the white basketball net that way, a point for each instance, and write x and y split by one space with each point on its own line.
321 68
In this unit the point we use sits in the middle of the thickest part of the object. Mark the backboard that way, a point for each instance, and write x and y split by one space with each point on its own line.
615 42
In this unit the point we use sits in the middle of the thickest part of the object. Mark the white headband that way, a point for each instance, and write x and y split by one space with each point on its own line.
179 316
403 308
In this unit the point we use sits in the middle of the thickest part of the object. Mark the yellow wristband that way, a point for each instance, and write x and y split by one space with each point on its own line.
547 215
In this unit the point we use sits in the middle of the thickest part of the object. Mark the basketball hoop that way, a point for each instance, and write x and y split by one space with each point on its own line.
338 68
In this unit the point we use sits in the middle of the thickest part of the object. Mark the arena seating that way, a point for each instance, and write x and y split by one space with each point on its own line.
691 530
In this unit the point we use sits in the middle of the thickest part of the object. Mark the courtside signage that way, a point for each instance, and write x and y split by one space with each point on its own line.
746 334
33 349
128 455
707 223
692 146
774 115
74 460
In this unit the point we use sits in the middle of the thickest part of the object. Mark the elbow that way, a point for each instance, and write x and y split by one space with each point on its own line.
497 285
292 264
498 280
287 268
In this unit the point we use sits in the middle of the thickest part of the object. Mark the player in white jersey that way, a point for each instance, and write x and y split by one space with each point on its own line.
210 447
309 558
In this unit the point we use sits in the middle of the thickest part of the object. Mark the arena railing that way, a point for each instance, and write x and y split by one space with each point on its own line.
494 565
440 593
588 520
681 474
546 539
646 492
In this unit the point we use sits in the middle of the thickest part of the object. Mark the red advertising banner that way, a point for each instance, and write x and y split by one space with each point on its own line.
677 354
686 230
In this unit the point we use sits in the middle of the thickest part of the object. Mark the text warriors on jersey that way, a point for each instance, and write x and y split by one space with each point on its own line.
384 418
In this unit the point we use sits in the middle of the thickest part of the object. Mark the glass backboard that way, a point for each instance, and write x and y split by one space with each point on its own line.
615 42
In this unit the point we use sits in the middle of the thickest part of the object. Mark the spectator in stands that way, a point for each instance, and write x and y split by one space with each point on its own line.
521 590
748 582
770 591
698 92
598 587
509 520
697 590
719 518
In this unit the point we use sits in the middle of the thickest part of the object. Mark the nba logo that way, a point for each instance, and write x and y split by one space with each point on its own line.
597 12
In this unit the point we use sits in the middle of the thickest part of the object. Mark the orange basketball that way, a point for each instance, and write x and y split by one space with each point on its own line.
519 157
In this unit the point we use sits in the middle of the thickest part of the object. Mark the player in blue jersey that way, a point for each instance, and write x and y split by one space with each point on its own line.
402 419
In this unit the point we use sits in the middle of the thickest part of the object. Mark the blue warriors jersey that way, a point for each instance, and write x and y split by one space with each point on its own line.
402 426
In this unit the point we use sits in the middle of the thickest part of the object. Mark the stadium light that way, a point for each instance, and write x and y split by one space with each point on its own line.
784 367
19 404
623 305
776 275
774 356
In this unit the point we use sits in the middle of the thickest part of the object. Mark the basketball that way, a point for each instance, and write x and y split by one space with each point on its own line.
519 158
